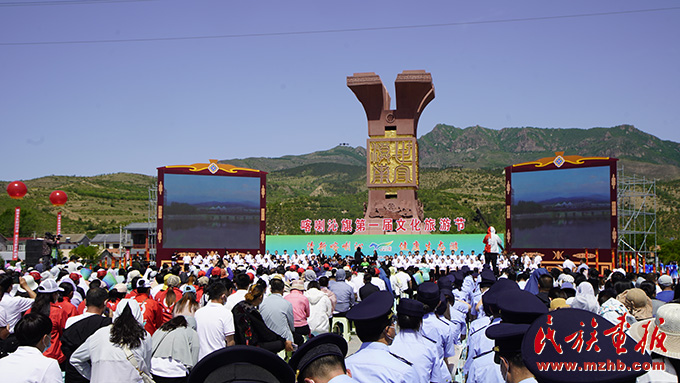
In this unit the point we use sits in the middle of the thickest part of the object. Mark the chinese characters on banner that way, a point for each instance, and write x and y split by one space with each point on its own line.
400 225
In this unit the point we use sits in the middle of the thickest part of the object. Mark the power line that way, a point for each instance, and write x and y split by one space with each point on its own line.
313 32
65 2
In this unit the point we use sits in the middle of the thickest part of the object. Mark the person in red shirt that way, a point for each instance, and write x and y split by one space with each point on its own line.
45 303
116 293
64 300
167 298
200 287
151 310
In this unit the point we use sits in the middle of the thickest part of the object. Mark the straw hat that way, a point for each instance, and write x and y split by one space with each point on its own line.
637 303
173 280
298 284
558 303
670 313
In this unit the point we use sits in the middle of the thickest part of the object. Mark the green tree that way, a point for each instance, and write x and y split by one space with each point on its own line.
89 253
29 222
670 251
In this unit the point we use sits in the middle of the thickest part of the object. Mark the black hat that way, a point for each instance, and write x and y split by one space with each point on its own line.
595 349
410 307
428 293
507 336
377 305
238 364
520 306
490 297
488 279
441 309
447 292
445 282
317 347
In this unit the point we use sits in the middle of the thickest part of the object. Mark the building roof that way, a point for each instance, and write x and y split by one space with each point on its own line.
110 238
75 238
140 226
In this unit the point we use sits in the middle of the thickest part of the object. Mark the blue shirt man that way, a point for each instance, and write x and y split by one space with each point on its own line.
373 362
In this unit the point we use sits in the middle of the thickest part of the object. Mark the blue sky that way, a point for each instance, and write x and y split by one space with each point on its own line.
104 107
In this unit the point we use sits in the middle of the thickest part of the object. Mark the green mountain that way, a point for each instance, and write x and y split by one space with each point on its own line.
477 147
344 155
481 148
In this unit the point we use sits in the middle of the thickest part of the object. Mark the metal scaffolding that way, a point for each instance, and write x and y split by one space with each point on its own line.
151 219
637 207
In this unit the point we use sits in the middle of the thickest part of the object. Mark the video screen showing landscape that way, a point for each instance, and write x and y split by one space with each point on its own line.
211 212
563 209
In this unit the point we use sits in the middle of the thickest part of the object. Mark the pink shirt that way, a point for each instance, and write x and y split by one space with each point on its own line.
300 307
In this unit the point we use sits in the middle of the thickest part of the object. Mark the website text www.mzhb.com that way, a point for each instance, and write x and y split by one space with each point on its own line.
609 365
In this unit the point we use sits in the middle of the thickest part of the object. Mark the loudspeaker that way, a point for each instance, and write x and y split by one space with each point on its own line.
34 251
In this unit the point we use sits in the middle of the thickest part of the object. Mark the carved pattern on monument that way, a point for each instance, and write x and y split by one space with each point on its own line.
392 162
389 209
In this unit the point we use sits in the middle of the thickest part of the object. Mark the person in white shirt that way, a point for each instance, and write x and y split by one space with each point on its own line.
214 321
186 260
12 306
536 262
242 282
116 353
27 364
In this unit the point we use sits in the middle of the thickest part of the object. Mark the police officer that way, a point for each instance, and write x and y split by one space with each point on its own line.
435 328
508 351
518 309
413 345
480 366
322 359
375 327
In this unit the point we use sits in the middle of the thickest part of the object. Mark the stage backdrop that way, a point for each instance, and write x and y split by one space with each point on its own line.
384 244
563 205
210 207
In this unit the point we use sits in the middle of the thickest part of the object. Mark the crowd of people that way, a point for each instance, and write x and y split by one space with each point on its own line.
274 317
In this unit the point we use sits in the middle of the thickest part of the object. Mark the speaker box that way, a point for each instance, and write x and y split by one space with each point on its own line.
34 251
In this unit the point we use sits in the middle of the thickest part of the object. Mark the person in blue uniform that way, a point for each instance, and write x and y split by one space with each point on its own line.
487 279
435 328
518 309
480 366
508 351
375 324
322 359
413 345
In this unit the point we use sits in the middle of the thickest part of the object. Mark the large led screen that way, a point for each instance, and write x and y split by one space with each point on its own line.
211 212
562 208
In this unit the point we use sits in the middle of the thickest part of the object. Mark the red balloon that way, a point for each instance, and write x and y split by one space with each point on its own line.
58 198
16 189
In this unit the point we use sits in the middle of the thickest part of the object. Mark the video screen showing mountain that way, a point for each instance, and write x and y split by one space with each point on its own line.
211 212
561 209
